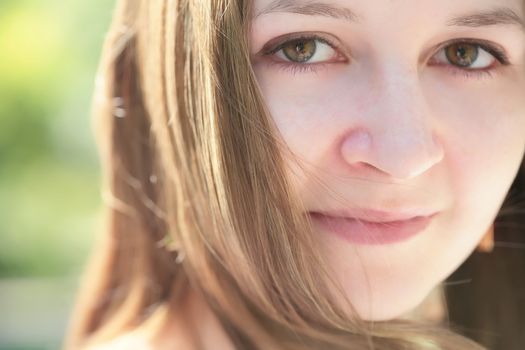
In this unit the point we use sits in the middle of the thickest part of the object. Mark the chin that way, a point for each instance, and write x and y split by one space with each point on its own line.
383 315
390 306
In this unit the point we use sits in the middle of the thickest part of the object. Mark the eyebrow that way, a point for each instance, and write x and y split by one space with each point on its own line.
496 16
312 8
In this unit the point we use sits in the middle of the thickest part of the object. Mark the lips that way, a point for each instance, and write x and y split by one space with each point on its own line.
373 215
379 227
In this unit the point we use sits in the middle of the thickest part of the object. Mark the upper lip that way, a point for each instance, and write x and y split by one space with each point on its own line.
374 215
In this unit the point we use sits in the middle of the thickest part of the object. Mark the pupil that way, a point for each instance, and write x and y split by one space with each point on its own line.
461 54
300 50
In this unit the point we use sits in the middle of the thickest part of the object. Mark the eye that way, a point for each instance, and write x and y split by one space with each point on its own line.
311 53
471 57
302 53
309 50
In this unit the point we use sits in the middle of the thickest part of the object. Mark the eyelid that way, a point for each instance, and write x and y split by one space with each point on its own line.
276 44
495 50
499 53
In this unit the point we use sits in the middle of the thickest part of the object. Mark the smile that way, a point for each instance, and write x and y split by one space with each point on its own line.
360 231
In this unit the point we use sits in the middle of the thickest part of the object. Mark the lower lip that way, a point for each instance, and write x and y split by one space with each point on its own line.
372 233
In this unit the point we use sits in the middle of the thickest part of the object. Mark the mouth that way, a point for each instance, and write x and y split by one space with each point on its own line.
374 215
377 231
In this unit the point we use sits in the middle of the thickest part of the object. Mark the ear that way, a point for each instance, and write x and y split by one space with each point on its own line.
486 245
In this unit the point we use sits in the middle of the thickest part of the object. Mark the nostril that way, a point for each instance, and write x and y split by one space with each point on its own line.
363 165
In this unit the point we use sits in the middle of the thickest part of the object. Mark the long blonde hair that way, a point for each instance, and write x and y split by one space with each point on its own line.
196 194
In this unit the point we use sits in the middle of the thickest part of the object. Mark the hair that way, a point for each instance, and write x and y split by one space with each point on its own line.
196 194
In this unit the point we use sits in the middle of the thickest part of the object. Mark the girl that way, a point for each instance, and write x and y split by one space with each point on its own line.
293 174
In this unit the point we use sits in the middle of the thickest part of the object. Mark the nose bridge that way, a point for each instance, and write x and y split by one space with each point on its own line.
399 126
401 116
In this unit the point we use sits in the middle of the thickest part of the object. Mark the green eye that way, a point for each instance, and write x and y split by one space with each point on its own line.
300 50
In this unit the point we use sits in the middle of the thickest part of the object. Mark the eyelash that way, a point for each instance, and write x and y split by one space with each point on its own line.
297 68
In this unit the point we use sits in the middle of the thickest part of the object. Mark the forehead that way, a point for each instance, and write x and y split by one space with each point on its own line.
412 18
363 10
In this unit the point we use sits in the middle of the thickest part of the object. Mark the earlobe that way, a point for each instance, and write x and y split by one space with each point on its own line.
486 245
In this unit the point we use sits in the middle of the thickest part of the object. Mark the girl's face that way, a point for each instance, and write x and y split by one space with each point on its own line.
396 105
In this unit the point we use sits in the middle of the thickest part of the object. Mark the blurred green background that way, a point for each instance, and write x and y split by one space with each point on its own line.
50 199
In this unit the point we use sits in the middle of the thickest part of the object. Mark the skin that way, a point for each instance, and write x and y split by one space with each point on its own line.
384 126
387 128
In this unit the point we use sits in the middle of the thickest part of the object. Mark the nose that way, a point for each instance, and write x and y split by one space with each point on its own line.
395 137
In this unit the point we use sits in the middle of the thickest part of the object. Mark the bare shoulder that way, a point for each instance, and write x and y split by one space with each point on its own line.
139 342
167 330
124 342
171 337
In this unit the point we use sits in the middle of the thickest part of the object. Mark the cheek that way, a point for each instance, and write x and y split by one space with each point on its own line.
309 110
484 139
483 136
